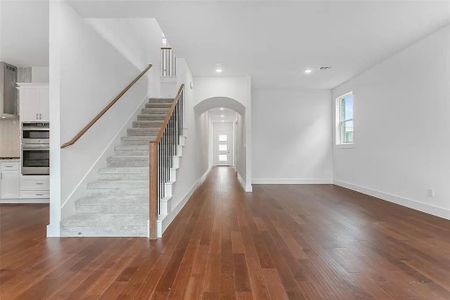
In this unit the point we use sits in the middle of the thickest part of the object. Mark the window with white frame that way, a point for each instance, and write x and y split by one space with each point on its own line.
344 119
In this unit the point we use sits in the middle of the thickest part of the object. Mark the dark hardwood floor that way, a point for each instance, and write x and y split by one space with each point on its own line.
289 241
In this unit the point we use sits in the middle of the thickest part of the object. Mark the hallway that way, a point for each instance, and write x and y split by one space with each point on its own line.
281 241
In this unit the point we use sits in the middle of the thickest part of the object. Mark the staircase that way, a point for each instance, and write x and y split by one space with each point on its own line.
117 203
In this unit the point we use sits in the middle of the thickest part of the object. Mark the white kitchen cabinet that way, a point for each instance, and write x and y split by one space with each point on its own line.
9 180
34 187
29 104
34 102
17 188
44 109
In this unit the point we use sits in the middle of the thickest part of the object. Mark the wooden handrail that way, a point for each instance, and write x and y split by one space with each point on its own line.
169 115
104 110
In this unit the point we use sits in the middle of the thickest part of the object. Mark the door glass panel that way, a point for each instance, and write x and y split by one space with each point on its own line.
223 157
223 137
223 147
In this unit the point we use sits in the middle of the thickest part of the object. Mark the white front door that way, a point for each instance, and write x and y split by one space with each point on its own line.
223 143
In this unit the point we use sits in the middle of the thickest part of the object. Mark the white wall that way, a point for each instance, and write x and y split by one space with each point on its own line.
237 88
137 39
291 136
239 150
402 128
39 74
86 73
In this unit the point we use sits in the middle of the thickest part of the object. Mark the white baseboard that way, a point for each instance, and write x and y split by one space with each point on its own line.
164 223
25 201
203 178
292 181
53 230
413 204
241 180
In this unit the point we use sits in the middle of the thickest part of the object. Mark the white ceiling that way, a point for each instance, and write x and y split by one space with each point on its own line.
24 32
226 115
274 41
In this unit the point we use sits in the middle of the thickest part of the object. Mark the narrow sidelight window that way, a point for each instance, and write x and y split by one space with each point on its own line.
344 119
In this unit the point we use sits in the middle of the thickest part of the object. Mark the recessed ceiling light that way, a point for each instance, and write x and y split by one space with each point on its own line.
222 116
308 71
222 108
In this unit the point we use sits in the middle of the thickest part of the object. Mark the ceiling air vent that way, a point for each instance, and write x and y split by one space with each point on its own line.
325 68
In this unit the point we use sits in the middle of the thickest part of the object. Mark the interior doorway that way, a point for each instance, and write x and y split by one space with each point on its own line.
228 110
223 144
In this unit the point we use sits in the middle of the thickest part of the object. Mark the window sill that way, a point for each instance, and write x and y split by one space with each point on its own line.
344 146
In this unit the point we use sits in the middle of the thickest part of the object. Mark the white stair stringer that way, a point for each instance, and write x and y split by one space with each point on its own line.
116 203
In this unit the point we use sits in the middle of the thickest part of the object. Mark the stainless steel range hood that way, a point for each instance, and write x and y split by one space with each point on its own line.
8 91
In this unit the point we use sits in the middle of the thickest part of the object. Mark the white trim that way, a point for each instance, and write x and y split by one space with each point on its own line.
337 122
344 146
292 181
410 203
53 231
25 201
164 221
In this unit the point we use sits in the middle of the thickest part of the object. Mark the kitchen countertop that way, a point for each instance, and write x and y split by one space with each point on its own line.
9 158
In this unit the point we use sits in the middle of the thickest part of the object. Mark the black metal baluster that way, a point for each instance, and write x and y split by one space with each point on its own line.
176 128
162 167
163 191
166 142
159 176
173 137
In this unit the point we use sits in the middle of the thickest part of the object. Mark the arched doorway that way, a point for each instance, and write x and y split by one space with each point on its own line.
240 153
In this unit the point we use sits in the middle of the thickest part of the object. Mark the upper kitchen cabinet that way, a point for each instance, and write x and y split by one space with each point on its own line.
33 102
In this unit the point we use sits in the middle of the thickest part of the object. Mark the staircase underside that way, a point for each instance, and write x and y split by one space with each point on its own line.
117 203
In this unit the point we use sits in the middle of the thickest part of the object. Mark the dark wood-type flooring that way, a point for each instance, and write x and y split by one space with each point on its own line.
279 242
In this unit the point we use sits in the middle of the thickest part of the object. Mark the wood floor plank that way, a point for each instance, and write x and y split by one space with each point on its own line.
279 242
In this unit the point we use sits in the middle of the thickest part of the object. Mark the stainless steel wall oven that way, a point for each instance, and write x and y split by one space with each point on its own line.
35 149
